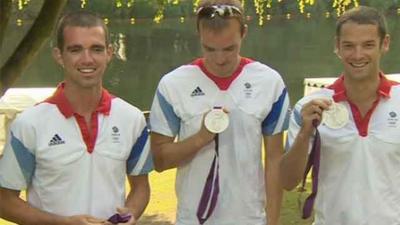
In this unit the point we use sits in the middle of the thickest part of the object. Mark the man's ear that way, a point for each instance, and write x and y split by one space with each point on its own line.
385 44
110 51
57 55
337 46
244 30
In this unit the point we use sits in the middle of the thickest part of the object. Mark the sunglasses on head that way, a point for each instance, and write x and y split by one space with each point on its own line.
218 10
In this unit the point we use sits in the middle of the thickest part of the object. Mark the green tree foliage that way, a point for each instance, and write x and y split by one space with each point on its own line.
132 10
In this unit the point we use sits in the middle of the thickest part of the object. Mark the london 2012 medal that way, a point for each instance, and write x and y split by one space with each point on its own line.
216 120
336 116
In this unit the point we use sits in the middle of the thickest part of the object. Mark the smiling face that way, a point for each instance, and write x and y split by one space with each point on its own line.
221 48
360 48
84 56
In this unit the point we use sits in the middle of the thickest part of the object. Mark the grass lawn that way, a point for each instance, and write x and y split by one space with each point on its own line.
161 209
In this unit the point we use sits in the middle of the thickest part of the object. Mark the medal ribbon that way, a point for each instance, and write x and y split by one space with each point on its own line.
312 162
210 193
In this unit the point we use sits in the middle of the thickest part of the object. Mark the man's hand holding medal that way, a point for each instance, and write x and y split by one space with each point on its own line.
216 120
323 111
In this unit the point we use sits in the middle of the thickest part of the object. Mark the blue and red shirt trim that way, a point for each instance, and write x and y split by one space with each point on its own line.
89 134
223 83
360 121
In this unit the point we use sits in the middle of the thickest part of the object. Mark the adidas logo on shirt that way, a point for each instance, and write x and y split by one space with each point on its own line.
197 92
56 140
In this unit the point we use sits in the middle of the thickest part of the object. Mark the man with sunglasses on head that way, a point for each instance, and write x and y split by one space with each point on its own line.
350 132
209 120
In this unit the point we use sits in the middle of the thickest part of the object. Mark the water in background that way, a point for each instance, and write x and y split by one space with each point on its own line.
297 48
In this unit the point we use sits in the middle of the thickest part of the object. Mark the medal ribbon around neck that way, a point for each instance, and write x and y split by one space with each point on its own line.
210 193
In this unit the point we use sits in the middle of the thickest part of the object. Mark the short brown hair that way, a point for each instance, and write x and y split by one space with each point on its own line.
218 22
79 19
363 15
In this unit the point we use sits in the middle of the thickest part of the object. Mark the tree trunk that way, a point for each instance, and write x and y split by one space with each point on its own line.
5 10
30 45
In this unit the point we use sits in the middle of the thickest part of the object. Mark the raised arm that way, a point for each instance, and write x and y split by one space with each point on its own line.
294 161
169 154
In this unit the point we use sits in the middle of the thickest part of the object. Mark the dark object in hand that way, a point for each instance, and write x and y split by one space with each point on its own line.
118 218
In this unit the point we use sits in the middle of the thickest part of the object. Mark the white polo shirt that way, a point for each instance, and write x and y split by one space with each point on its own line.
359 178
68 170
258 104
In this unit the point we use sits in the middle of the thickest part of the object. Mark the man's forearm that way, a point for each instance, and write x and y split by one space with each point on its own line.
294 162
274 193
139 196
168 154
14 209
